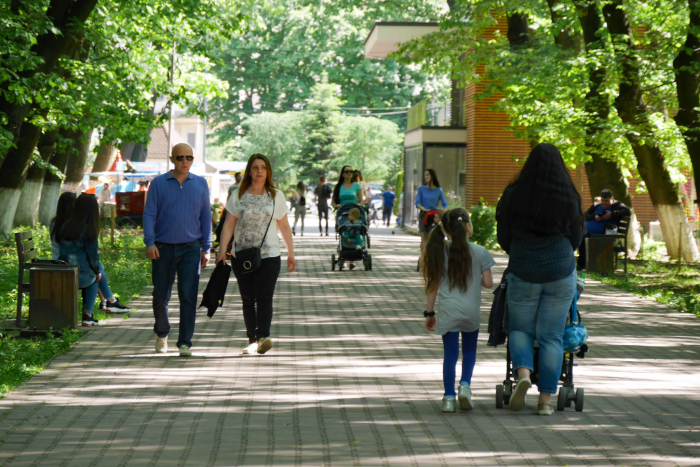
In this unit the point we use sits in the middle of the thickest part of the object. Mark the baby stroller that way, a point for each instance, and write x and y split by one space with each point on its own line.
347 244
498 332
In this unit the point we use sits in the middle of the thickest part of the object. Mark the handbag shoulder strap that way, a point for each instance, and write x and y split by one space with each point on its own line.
274 195
233 236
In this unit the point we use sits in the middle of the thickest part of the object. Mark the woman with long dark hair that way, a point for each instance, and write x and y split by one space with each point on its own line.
346 190
64 210
540 224
77 242
427 199
252 210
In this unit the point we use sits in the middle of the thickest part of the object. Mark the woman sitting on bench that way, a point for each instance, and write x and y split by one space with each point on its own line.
77 241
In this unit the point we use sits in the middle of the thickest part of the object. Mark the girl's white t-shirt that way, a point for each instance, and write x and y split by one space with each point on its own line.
460 311
253 213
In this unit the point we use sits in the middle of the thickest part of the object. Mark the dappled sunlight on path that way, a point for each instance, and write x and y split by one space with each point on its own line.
354 379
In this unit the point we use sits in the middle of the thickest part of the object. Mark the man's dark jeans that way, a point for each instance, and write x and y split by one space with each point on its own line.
386 214
185 259
257 289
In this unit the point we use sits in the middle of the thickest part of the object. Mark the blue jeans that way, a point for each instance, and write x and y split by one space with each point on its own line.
185 260
450 342
539 311
90 292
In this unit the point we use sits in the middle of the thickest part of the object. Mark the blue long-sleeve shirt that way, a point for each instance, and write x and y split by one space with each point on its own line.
429 197
177 213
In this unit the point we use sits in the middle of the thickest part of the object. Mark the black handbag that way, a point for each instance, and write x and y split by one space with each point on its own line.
249 259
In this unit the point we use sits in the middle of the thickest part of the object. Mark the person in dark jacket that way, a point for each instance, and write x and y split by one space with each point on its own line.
598 217
540 224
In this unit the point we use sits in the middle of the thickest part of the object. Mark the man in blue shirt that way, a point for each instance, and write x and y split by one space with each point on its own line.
389 200
177 234
598 216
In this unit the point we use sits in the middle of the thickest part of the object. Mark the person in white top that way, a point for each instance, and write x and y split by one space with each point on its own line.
251 210
104 195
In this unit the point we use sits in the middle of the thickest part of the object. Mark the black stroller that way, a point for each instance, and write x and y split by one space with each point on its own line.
498 333
347 244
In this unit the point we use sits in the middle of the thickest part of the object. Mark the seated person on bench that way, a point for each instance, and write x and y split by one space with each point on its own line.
608 212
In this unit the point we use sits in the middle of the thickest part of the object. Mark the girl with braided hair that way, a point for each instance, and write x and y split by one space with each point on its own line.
455 269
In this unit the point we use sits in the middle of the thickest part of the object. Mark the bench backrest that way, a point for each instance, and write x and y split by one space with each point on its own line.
25 254
623 226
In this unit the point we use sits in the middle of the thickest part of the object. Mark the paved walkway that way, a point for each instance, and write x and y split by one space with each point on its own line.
354 379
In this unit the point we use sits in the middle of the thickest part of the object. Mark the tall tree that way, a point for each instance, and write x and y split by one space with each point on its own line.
633 111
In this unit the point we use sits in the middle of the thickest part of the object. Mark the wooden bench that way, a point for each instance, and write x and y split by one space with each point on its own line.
602 250
52 287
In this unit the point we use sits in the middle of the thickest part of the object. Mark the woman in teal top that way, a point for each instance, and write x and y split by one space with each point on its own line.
346 191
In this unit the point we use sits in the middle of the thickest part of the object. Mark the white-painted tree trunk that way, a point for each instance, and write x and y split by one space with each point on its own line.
49 200
675 227
28 206
9 197
634 237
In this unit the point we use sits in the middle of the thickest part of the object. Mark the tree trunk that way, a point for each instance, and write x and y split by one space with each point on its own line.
75 168
68 18
14 173
103 157
651 165
28 206
687 68
602 172
52 182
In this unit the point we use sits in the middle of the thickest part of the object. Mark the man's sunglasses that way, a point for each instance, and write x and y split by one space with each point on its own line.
347 171
182 158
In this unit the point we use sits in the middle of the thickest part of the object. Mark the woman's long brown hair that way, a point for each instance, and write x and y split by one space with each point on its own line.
246 182
459 262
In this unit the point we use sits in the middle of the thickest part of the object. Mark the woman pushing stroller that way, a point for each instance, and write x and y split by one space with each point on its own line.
540 224
455 270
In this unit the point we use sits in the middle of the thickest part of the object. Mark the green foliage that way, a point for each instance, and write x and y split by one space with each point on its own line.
398 189
483 219
290 44
542 85
22 358
302 145
650 250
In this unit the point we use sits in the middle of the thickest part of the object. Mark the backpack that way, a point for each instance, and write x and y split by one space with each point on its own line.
302 200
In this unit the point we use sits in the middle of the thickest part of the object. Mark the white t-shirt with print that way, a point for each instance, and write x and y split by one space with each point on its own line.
253 213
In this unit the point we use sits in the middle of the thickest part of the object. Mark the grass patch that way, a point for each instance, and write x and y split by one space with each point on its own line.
20 359
126 265
128 271
661 282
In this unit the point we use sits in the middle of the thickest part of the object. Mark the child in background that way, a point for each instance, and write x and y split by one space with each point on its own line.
455 270
354 219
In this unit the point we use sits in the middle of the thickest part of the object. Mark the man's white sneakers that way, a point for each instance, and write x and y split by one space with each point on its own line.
250 349
161 344
185 351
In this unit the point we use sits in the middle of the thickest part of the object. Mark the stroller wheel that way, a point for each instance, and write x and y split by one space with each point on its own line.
370 262
340 265
368 242
366 264
561 398
579 400
332 262
499 396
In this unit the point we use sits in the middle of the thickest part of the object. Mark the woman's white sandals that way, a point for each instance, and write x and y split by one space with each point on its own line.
545 409
250 349
517 400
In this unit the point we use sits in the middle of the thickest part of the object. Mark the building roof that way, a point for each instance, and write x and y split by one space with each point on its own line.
158 150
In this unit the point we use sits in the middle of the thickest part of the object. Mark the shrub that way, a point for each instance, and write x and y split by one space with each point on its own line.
483 219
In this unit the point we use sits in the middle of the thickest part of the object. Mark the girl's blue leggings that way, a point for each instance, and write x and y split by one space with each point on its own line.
451 343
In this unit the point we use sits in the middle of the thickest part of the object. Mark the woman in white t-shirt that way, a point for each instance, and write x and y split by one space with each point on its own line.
252 208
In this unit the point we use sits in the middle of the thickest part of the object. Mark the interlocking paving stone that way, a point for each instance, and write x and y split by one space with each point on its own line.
353 379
